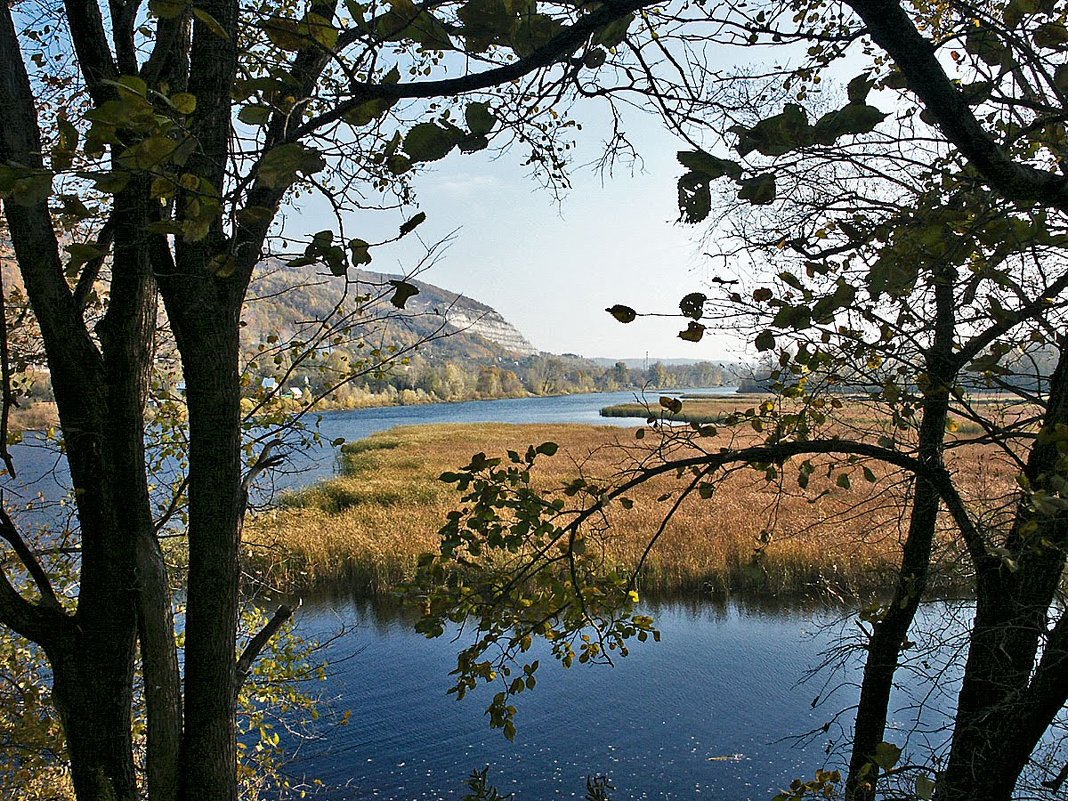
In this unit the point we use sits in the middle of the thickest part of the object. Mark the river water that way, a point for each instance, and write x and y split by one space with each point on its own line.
710 712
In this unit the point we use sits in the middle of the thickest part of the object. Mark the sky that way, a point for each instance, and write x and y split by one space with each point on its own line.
551 267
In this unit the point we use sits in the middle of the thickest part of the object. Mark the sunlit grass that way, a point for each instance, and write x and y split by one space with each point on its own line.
365 529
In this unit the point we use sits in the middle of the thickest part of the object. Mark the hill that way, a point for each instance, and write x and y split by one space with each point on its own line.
285 301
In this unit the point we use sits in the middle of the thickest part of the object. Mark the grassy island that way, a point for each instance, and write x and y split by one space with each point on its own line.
364 529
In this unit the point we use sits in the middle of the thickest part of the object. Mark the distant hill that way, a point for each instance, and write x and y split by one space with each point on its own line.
287 301
308 332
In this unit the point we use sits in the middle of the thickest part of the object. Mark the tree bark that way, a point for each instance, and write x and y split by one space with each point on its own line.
1006 701
203 317
890 632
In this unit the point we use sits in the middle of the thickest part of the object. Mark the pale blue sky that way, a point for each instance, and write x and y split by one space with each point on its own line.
552 268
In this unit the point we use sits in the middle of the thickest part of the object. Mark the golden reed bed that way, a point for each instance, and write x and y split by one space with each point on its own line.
363 531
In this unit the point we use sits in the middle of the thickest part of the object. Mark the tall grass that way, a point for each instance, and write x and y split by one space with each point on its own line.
365 529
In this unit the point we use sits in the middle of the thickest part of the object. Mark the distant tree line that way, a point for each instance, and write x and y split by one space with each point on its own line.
426 377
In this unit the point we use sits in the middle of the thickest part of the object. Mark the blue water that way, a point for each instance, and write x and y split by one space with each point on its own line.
43 479
721 683
725 681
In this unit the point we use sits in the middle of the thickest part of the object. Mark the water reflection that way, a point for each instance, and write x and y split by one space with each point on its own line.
710 711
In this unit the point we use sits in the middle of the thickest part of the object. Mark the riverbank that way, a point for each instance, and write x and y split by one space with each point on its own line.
365 529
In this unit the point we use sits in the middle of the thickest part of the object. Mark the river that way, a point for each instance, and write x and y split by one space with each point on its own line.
710 712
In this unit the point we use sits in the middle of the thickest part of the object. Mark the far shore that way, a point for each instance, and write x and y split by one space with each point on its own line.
43 415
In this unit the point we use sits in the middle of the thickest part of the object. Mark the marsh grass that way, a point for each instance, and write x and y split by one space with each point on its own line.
364 530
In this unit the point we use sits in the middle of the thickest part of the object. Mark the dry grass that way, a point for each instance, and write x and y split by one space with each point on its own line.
36 416
365 529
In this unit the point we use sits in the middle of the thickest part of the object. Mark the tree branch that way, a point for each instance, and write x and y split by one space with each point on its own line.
91 270
25 554
259 642
891 27
91 45
263 462
564 43
7 400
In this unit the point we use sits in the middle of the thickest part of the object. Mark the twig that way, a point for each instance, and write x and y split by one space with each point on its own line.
263 462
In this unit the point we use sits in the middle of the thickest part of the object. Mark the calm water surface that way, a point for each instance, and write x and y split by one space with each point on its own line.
725 681
43 472
722 683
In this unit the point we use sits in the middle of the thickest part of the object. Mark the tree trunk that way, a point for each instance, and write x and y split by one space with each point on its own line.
884 647
204 318
1006 703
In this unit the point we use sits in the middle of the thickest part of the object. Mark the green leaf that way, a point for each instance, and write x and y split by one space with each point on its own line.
74 207
319 29
858 88
26 187
281 165
402 292
66 145
148 153
765 341
81 253
284 33
613 34
1060 77
776 135
410 225
1051 35
108 182
430 142
759 190
255 215
366 113
183 102
925 787
255 114
406 21
673 405
625 314
212 24
398 164
709 165
986 44
167 9
892 275
485 22
886 755
473 143
693 333
547 448
594 58
480 119
531 32
854 118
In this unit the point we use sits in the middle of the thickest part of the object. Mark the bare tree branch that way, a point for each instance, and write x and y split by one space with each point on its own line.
9 533
259 642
